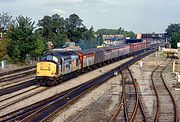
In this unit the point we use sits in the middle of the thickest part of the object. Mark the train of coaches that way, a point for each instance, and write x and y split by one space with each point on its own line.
56 66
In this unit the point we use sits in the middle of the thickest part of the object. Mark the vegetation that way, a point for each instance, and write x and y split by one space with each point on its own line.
21 39
5 22
175 38
116 31
173 34
4 43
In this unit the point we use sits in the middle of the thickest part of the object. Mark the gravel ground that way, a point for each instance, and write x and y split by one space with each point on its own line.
172 84
17 81
17 92
32 92
62 87
10 67
97 105
143 76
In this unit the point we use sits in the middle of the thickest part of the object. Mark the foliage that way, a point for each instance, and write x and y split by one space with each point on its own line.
74 27
40 46
175 38
116 31
173 34
107 31
59 30
4 43
89 40
22 39
53 29
172 28
5 21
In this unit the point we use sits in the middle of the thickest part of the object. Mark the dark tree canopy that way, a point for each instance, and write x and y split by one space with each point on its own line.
173 34
22 39
116 31
74 27
172 28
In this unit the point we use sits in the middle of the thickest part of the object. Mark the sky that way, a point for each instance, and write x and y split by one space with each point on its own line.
140 16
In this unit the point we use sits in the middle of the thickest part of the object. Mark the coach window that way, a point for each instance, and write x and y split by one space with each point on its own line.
77 62
70 62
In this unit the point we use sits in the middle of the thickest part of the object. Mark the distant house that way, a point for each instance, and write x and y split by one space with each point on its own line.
113 39
152 37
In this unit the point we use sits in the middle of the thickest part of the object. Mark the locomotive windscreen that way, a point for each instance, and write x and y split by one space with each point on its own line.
49 58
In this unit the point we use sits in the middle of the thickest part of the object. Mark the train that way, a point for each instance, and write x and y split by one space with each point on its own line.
57 66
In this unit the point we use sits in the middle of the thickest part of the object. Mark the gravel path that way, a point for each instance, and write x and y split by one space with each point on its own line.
98 105
143 76
172 84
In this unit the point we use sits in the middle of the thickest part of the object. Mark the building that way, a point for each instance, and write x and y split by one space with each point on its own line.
113 39
152 37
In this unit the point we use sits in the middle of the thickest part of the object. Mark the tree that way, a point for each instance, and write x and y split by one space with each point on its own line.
53 29
22 39
172 28
107 31
5 21
175 38
74 27
90 39
40 46
172 33
4 43
121 31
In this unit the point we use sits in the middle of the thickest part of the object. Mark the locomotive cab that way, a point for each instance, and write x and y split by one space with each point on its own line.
56 66
48 67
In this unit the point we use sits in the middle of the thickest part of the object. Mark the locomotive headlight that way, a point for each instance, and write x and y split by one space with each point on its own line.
53 73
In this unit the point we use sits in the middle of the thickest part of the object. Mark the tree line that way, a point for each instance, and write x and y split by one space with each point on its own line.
21 38
121 31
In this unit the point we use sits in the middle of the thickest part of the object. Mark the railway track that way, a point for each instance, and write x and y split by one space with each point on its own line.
166 109
16 75
16 71
17 87
16 78
47 108
19 97
130 106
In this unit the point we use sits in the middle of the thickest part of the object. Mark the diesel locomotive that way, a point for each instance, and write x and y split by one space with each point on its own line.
57 66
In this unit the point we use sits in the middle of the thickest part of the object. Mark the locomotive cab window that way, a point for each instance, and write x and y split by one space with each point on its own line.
50 58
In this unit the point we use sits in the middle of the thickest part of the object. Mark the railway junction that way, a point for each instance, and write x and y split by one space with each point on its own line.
138 88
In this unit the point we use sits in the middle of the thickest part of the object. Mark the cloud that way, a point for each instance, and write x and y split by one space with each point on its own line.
7 1
104 11
63 2
73 1
58 11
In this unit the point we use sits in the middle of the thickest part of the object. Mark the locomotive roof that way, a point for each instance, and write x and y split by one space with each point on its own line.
87 51
64 54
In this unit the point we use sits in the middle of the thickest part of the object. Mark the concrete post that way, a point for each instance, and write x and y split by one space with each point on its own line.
173 66
141 63
3 64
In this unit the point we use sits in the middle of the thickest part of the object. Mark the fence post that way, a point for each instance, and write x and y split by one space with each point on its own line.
3 64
